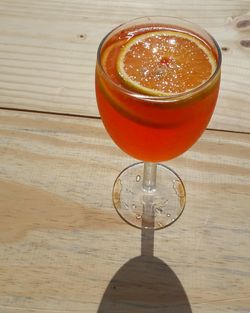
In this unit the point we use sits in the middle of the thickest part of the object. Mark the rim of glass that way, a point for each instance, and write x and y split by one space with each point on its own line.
174 97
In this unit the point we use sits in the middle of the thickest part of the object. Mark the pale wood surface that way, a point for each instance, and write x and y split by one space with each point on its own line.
48 50
63 248
61 241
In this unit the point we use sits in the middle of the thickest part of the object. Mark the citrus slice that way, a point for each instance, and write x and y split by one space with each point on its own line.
165 62
109 54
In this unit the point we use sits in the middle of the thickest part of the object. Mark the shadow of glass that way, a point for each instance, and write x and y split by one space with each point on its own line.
145 284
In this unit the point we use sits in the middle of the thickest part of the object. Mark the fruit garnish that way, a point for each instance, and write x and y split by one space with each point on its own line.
165 62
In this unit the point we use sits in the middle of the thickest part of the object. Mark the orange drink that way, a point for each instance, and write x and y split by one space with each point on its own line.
157 83
143 81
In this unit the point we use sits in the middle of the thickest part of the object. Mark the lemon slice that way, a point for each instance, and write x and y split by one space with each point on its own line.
165 62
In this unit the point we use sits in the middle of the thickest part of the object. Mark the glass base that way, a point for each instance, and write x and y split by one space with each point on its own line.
154 209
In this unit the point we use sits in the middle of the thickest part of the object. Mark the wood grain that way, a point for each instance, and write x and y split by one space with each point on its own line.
61 241
48 51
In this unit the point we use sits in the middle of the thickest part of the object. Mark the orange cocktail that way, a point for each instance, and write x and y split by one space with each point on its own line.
161 124
157 83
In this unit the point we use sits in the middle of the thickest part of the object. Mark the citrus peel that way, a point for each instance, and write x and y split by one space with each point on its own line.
165 62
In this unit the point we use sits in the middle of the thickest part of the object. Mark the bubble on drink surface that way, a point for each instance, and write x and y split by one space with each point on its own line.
144 71
160 71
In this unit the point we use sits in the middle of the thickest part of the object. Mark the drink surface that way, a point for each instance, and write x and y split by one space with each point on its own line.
142 81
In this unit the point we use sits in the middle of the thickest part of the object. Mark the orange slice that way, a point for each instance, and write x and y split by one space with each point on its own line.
165 62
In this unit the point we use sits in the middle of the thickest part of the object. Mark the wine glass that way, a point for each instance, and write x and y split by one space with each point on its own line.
157 83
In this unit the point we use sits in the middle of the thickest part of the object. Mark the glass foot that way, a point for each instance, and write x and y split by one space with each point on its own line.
154 209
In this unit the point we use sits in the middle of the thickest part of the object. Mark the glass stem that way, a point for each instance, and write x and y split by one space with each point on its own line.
149 176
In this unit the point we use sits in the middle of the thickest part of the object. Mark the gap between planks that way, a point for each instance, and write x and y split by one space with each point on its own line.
99 118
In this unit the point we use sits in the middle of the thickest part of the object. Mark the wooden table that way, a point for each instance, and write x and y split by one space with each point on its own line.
63 248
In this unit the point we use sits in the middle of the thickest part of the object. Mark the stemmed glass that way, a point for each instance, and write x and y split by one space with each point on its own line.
158 126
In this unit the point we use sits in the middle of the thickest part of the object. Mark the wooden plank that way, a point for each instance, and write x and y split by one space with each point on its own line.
48 51
63 248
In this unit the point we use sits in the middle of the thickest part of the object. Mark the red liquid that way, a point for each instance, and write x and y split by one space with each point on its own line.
150 130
